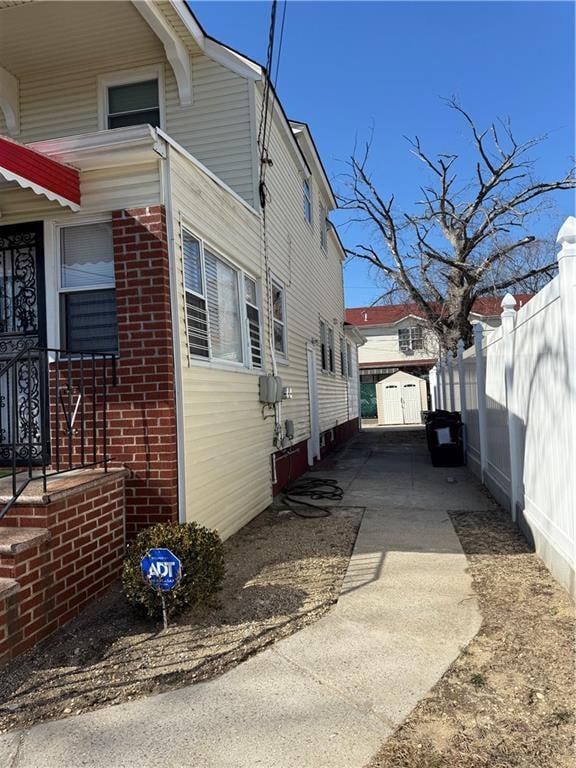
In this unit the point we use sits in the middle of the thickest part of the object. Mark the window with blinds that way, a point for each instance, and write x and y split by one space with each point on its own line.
218 327
253 318
196 310
88 318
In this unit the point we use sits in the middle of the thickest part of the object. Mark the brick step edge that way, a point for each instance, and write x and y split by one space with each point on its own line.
15 540
8 587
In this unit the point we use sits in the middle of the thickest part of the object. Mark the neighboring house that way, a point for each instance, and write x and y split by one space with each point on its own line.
132 238
397 339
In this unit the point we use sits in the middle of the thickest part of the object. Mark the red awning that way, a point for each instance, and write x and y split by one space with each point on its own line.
38 172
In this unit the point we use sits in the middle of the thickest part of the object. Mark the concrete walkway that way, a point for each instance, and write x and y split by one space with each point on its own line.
328 696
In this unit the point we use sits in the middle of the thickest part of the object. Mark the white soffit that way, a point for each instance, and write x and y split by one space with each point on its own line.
175 49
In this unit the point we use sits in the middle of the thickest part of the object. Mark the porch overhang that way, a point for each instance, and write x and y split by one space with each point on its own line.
43 175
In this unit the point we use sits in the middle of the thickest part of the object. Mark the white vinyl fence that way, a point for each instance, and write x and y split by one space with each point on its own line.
516 389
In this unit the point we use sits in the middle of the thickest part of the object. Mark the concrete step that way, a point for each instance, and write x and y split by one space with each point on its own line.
16 540
8 587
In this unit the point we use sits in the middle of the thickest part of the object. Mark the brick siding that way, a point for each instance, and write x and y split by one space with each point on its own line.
59 576
142 408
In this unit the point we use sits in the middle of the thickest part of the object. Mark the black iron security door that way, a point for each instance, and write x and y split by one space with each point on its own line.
23 385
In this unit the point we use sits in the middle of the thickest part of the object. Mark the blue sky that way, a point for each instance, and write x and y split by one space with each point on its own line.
349 68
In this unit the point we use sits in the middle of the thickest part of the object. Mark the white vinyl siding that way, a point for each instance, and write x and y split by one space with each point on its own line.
227 443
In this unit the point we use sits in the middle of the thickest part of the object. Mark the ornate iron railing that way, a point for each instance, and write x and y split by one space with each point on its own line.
53 414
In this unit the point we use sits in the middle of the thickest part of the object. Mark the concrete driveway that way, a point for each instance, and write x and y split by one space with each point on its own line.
328 696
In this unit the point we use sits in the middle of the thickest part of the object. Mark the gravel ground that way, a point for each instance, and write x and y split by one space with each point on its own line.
282 572
509 699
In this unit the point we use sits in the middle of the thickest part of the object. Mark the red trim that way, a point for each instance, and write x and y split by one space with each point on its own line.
39 169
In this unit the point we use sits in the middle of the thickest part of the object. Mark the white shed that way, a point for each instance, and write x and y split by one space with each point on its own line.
400 399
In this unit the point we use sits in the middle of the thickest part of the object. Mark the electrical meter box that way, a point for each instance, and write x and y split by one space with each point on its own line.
270 389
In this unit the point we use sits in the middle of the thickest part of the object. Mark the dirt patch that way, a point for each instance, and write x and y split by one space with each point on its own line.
509 699
282 572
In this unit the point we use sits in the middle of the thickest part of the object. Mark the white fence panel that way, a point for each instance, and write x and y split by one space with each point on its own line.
472 420
518 401
498 463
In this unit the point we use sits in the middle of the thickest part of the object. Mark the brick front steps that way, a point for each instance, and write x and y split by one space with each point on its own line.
58 551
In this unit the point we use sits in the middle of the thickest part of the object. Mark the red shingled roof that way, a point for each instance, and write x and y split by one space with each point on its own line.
486 306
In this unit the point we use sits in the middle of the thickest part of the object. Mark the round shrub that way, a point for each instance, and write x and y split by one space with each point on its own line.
201 554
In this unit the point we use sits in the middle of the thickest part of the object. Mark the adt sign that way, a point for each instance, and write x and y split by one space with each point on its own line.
161 569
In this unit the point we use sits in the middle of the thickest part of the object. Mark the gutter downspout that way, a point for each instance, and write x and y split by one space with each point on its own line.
176 343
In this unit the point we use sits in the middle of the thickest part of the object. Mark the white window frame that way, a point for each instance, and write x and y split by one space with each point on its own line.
258 306
349 360
279 284
129 77
60 290
307 198
211 361
410 346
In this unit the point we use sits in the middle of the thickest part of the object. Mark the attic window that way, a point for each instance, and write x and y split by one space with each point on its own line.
131 97
134 104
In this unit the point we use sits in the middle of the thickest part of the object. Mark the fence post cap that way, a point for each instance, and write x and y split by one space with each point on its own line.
567 232
460 346
508 303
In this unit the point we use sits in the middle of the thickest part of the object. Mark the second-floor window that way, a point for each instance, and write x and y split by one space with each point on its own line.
330 349
323 227
410 339
133 103
88 320
307 201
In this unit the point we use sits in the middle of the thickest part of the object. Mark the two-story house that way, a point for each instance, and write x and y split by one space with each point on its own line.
397 339
151 317
133 188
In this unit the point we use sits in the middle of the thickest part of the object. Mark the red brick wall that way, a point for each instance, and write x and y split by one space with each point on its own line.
142 408
58 577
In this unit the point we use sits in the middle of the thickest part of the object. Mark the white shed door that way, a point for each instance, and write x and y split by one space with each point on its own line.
392 404
411 403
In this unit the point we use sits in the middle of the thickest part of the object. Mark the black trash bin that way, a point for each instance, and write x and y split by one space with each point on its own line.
444 434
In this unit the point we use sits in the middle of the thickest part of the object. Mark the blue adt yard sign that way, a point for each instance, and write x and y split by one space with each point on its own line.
161 569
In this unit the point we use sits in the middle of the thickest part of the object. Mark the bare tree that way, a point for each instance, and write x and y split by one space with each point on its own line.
468 237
